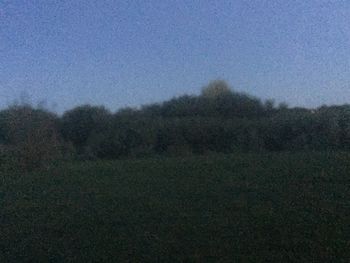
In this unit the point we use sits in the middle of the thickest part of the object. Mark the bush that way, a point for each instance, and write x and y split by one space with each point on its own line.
32 140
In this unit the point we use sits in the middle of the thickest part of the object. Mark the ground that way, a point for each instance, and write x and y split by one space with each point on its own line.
281 207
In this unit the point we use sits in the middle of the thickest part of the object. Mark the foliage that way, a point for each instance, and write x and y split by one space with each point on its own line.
218 120
30 138
78 124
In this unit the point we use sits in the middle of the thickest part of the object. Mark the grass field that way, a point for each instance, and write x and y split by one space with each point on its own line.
288 207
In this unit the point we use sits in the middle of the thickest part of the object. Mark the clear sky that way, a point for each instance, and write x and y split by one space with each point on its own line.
126 53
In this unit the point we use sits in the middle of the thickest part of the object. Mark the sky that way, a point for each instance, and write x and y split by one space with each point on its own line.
128 53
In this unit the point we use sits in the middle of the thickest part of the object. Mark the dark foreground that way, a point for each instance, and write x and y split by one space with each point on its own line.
233 208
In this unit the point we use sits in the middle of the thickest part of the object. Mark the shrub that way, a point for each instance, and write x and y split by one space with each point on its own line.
31 139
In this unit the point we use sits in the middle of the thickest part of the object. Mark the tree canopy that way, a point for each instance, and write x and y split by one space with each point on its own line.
220 119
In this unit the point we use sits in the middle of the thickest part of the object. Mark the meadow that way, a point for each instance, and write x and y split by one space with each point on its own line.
271 207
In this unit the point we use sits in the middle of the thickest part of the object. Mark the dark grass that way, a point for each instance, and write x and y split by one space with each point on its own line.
289 207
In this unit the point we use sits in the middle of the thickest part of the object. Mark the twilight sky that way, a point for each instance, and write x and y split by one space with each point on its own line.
126 53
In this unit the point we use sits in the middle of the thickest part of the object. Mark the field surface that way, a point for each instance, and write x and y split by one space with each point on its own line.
288 207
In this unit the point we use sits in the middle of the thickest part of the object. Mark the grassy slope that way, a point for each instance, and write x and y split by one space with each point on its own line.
250 208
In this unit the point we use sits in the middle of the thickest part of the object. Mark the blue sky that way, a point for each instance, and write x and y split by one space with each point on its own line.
127 53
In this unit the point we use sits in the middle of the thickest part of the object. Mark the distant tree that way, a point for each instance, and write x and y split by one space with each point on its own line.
218 120
30 137
216 88
183 106
221 101
283 106
78 124
269 106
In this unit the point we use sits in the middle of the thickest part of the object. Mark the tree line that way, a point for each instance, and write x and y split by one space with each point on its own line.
218 120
